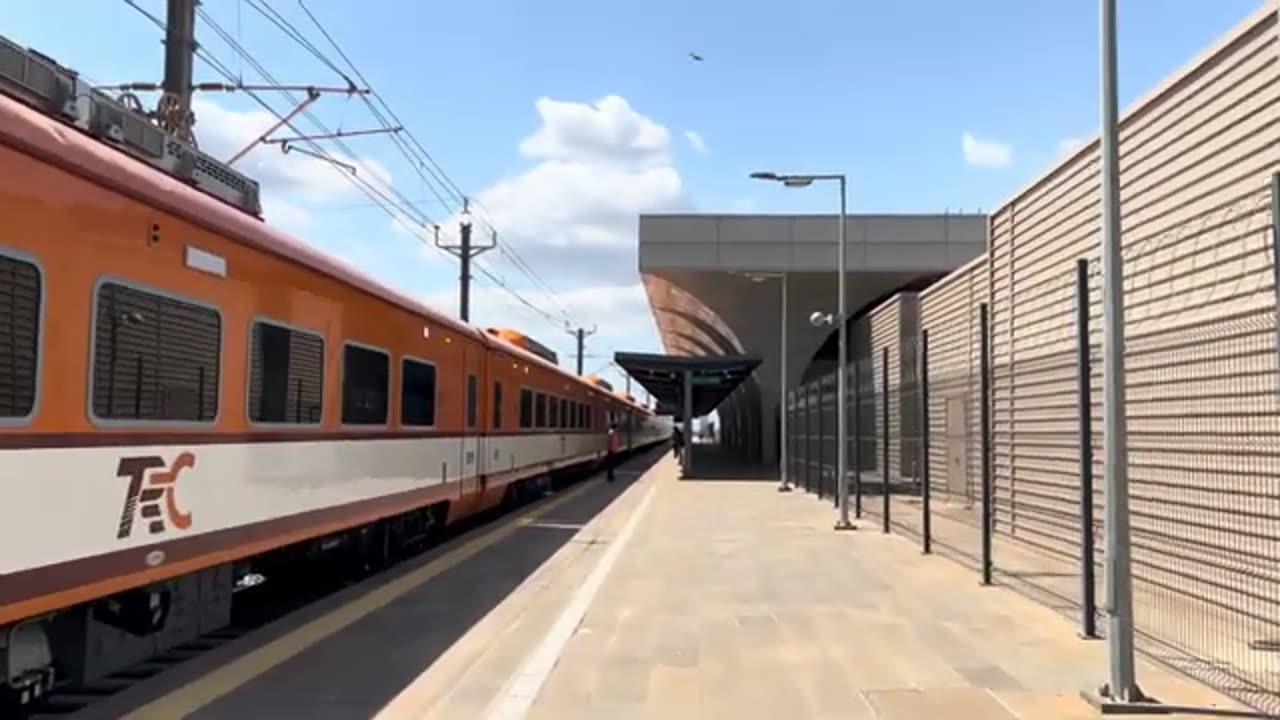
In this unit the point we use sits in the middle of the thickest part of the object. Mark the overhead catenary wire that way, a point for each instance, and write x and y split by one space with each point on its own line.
418 159
417 162
400 203
400 209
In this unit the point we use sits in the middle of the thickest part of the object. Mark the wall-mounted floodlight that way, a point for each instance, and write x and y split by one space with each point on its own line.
819 318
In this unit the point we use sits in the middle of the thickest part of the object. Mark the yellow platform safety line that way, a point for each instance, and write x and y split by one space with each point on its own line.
225 679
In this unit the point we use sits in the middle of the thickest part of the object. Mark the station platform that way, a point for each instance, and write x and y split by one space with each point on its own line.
660 597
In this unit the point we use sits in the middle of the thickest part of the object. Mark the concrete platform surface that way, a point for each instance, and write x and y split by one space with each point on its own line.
724 599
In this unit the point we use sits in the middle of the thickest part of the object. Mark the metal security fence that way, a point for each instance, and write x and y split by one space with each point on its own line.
995 458
1004 469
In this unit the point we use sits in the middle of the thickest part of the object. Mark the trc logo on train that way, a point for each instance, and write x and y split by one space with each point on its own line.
152 493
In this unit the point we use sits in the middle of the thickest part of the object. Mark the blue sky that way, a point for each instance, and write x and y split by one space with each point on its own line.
884 91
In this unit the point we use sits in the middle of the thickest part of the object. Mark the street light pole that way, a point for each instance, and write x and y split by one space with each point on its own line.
840 316
1122 685
842 383
784 440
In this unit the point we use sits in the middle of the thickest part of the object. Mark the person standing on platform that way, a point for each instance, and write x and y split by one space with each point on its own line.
677 442
611 453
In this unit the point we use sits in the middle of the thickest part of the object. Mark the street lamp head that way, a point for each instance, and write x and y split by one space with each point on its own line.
819 318
797 181
765 176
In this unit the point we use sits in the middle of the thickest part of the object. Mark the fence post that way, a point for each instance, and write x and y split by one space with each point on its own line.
822 440
1088 604
884 405
857 441
1275 250
835 491
926 523
985 404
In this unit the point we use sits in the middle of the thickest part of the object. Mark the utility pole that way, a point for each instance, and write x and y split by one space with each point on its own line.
581 335
173 110
465 251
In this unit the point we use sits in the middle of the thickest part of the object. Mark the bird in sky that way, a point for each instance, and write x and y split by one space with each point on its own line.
696 57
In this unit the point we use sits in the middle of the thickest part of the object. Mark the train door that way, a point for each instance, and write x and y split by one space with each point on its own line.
472 437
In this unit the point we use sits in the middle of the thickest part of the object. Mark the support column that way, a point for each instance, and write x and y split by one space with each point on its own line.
687 420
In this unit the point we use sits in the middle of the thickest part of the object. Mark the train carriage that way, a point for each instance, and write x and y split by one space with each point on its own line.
188 396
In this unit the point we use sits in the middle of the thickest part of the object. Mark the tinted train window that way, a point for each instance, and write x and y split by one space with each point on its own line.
155 357
497 405
526 408
564 413
554 413
286 375
473 401
19 336
540 410
365 380
571 420
417 393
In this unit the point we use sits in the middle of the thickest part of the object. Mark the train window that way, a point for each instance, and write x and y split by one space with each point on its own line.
526 408
564 413
286 374
365 383
540 410
572 423
417 393
473 400
20 289
155 357
553 420
497 405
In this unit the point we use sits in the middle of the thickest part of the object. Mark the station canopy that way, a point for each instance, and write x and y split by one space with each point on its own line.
714 377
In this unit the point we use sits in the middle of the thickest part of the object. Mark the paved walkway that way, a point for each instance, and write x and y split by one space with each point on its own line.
726 599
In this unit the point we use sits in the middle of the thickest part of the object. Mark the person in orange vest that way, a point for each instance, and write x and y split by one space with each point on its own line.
611 453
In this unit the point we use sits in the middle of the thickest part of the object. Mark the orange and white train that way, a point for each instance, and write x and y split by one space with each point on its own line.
187 394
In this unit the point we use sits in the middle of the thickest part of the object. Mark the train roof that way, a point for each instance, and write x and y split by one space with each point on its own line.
51 140
68 147
505 345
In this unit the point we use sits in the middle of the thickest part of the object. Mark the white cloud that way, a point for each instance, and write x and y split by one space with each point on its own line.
620 314
985 153
608 131
695 141
285 215
573 215
615 310
1067 146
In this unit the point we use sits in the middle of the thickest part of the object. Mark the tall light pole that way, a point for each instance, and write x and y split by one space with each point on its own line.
1122 685
841 316
784 482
